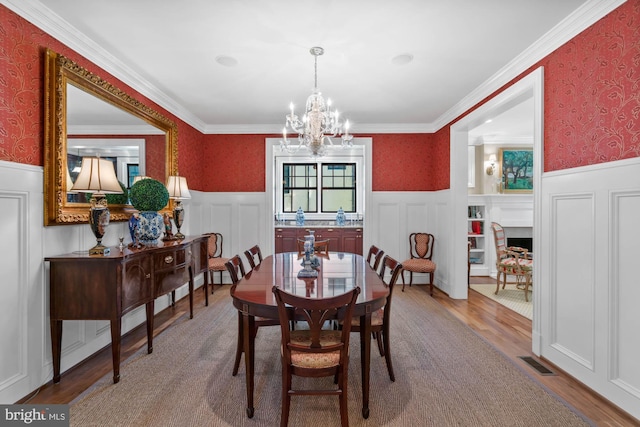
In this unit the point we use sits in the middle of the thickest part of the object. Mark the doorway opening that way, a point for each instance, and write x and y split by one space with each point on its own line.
529 87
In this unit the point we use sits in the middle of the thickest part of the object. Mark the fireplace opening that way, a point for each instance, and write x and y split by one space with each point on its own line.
522 242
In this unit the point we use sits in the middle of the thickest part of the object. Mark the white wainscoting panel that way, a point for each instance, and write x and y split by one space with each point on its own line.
589 291
241 218
625 292
395 215
572 298
22 307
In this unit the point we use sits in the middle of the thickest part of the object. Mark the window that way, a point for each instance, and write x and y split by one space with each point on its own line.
299 187
336 187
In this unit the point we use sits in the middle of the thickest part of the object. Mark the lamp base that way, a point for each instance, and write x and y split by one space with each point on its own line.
99 249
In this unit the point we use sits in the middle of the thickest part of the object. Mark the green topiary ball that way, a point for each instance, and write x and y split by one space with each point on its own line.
149 195
119 199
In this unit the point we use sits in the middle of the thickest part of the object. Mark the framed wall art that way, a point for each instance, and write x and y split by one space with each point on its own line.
516 170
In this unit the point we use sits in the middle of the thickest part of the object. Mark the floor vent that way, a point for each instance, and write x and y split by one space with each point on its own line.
542 370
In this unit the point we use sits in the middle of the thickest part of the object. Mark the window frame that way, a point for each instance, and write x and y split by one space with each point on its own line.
355 155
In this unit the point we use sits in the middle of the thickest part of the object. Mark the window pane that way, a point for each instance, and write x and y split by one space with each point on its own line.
305 199
332 200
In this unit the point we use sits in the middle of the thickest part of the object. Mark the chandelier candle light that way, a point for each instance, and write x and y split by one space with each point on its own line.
178 190
98 177
319 123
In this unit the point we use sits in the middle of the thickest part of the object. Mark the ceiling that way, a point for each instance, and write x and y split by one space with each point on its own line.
234 66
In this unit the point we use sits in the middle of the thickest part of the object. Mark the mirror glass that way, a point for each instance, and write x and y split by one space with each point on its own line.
86 116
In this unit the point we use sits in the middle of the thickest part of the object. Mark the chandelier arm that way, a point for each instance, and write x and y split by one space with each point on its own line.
319 123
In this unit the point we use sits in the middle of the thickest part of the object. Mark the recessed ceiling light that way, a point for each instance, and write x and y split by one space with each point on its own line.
227 61
402 59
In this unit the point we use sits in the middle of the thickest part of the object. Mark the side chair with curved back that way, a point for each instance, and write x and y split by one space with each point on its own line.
215 262
381 319
512 260
375 254
421 250
315 351
320 247
251 255
236 270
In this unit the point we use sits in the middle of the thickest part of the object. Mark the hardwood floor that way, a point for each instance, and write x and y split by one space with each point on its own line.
509 332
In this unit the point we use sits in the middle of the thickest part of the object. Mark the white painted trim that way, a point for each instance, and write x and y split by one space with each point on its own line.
39 15
531 85
273 144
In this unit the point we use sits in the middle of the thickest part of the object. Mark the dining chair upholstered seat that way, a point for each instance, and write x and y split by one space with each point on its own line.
236 270
421 250
216 262
381 319
252 254
375 255
512 261
315 351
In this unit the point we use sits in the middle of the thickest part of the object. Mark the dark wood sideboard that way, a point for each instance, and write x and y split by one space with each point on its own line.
84 287
341 239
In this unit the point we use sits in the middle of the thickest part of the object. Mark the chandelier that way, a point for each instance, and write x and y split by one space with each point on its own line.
318 124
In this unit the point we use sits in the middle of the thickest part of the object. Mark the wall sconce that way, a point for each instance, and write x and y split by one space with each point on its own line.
492 165
178 190
98 177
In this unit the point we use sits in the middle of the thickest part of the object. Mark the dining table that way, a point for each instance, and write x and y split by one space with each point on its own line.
337 273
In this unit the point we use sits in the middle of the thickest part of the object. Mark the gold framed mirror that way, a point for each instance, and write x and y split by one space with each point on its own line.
66 81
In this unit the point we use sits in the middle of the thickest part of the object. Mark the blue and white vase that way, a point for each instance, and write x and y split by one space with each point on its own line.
300 217
150 228
340 217
133 226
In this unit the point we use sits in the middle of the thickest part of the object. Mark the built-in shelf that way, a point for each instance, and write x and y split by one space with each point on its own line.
476 234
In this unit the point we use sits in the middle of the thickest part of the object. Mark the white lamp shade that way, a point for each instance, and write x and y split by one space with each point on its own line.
492 158
177 186
70 184
97 176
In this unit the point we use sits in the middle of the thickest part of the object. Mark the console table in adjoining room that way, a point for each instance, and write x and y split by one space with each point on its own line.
84 287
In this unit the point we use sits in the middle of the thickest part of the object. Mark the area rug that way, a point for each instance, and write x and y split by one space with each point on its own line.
446 375
510 297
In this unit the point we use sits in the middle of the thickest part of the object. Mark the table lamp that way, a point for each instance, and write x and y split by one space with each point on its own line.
98 177
178 190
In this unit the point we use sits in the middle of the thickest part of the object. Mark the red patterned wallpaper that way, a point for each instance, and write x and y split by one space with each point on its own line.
592 109
592 93
22 48
402 162
234 162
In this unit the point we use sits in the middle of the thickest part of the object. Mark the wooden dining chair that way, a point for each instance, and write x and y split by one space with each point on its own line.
381 319
320 247
375 254
252 254
216 262
421 250
315 351
236 270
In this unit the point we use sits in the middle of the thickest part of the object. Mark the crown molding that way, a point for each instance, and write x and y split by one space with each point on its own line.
45 19
40 16
583 17
366 128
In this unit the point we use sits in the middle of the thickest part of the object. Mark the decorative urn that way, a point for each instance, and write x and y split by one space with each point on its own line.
148 196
